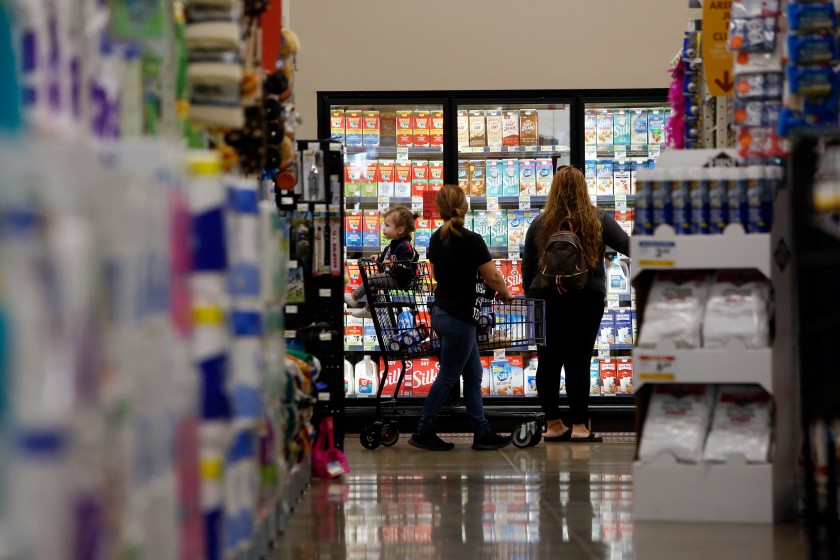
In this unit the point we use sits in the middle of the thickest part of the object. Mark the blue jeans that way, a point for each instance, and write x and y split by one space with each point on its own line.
458 356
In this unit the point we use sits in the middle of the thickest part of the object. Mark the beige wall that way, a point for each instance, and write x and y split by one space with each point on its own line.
481 44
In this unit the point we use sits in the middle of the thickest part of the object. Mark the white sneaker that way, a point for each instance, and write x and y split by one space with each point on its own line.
350 300
363 313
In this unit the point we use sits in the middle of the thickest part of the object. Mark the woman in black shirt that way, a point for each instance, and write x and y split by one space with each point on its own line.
461 265
572 317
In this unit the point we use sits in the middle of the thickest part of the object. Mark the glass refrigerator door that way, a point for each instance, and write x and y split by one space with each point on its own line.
394 155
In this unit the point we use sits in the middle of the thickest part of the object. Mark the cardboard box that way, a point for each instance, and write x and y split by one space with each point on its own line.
337 125
394 367
353 330
510 128
422 125
405 130
591 174
371 227
595 376
514 278
353 128
423 232
517 373
623 327
621 178
606 332
481 225
436 137
656 127
370 132
419 177
494 128
385 178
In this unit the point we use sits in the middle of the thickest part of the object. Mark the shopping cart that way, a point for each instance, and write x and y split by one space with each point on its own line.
403 322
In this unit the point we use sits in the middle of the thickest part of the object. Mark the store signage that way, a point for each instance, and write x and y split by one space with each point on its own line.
657 368
657 254
717 60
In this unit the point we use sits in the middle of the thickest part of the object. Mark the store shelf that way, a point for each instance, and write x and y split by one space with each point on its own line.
733 364
373 201
394 151
733 249
733 492
508 202
632 151
513 150
362 348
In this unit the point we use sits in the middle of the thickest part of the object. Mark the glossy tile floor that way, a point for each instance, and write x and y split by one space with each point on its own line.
565 501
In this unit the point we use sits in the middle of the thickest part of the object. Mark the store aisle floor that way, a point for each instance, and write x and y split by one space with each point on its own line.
564 501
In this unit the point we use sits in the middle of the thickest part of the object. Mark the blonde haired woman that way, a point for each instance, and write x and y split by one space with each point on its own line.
461 265
574 316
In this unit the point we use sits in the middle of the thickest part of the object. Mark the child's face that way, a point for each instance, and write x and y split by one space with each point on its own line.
390 230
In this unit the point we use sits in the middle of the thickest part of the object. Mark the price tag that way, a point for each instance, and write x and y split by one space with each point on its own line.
603 346
417 204
325 336
499 355
603 352
492 203
324 396
591 155
621 202
513 252
612 301
291 309
655 151
402 155
286 200
637 147
657 368
303 207
335 209
290 334
383 203
313 146
325 292
621 152
292 264
657 254
546 148
422 252
524 202
321 208
335 147
531 148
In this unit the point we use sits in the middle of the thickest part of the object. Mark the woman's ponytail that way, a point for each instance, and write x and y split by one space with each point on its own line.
452 207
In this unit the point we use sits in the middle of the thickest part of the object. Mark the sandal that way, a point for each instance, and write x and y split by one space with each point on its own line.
565 436
591 438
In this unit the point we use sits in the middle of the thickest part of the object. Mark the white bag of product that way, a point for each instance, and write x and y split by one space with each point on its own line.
738 308
742 424
677 422
674 310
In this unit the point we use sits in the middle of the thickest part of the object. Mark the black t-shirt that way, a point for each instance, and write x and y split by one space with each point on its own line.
459 284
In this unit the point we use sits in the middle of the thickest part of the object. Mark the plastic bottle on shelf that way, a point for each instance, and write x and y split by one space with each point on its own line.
367 378
349 380
531 376
618 277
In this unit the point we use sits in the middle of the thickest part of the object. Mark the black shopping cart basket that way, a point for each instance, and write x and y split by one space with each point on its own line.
402 319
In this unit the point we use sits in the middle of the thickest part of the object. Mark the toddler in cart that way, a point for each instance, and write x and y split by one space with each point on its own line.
398 262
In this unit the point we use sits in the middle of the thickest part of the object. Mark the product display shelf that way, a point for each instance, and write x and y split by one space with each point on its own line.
512 150
395 151
631 151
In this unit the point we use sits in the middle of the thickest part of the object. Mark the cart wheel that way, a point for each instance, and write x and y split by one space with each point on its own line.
522 436
390 435
536 439
370 437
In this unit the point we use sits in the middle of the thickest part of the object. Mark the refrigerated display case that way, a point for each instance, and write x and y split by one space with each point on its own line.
502 148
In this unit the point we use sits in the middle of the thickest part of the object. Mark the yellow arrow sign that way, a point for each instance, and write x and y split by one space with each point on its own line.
717 60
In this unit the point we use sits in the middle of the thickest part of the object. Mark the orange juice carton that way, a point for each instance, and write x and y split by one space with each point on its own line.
517 374
516 228
419 177
402 180
605 128
370 226
464 176
604 172
545 174
463 129
529 133
621 178
370 131
405 130
624 372
354 330
481 225
436 135
510 177
494 128
486 377
337 124
595 376
353 228
425 372
639 126
493 173
422 232
385 178
370 185
422 125
590 128
528 176
591 175
608 378
510 128
352 180
501 377
388 128
514 278
435 175
621 127
478 185
497 220
354 276
478 129
353 128
656 127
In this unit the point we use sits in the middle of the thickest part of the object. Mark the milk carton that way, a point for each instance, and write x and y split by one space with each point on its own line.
608 378
354 276
514 278
354 128
385 178
529 134
621 128
621 178
337 125
623 328
402 180
367 378
639 126
353 228
369 340
510 128
517 374
419 177
510 177
590 128
590 173
624 373
388 128
353 330
405 131
486 376
494 174
425 371
516 228
624 219
606 332
422 125
370 185
528 176
494 128
595 376
680 203
352 180
635 166
435 175
370 226
468 221
497 220
605 128
370 131
463 129
656 127
530 374
545 175
464 176
633 319
478 129
530 216
477 180
604 172
481 225
394 376
436 137
423 232
501 375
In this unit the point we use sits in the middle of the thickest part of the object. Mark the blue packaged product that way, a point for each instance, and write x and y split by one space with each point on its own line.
718 216
765 85
811 17
756 34
680 202
606 332
698 188
757 113
623 328
736 197
405 320
644 204
812 81
759 191
662 209
808 49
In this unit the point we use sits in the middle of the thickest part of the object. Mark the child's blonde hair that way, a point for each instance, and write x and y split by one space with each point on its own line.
402 217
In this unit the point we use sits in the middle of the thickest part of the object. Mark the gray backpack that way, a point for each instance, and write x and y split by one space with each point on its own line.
562 263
